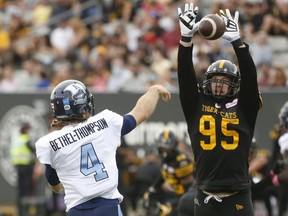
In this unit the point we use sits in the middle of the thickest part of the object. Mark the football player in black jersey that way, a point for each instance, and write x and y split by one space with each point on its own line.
177 170
220 117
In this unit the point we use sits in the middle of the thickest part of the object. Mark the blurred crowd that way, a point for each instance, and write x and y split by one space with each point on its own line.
126 45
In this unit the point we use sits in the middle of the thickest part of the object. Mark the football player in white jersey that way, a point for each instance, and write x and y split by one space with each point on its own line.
282 177
79 155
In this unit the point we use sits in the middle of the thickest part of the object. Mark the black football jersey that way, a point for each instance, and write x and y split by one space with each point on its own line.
220 134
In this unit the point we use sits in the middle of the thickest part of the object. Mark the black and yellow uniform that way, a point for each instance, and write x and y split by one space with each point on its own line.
220 134
176 167
177 171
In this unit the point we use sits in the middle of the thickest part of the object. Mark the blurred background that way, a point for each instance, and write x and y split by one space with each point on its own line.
119 48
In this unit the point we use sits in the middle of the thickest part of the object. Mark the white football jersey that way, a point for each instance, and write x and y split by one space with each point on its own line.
84 156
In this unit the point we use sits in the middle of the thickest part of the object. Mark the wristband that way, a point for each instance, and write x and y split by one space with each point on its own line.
237 42
186 39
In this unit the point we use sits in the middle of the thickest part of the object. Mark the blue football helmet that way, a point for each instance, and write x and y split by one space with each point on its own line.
222 68
70 99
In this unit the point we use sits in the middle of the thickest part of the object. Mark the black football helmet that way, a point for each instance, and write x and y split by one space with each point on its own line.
222 68
283 116
167 140
70 99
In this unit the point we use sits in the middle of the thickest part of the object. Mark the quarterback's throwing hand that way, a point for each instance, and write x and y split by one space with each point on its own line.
165 94
187 20
232 28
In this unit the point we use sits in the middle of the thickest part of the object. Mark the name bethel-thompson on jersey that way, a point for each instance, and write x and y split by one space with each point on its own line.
77 134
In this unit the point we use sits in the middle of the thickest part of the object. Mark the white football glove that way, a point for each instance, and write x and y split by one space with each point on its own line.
232 32
187 20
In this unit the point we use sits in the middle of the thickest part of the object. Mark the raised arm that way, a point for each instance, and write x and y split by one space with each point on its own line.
147 103
248 87
188 88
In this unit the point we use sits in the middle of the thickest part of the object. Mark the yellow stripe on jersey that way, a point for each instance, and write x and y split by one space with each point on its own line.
221 64
185 170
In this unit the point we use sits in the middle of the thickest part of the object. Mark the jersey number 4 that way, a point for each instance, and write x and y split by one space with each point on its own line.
211 132
91 164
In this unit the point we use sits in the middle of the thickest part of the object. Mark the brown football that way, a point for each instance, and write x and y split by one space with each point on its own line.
211 27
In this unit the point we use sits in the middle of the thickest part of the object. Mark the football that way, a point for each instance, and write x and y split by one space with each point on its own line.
211 27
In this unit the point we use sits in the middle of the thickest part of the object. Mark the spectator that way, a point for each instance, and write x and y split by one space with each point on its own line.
28 75
61 38
62 71
4 38
119 75
141 77
8 81
279 78
43 82
276 22
261 49
41 13
264 74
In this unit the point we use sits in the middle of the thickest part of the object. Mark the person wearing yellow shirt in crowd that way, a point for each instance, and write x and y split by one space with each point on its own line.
5 41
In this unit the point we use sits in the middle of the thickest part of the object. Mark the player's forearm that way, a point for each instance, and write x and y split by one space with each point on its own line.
146 104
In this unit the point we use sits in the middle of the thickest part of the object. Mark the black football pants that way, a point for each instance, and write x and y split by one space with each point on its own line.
239 204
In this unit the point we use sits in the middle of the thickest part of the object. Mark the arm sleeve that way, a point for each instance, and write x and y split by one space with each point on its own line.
188 85
51 175
129 123
249 96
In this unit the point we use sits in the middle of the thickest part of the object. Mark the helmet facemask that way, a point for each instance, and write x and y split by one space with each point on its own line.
283 116
90 103
167 143
226 69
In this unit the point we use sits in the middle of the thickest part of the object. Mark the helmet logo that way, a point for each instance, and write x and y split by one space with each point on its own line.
67 107
221 64
78 93
66 104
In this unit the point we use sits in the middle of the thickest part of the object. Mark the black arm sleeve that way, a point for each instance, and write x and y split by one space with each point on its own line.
188 86
249 96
